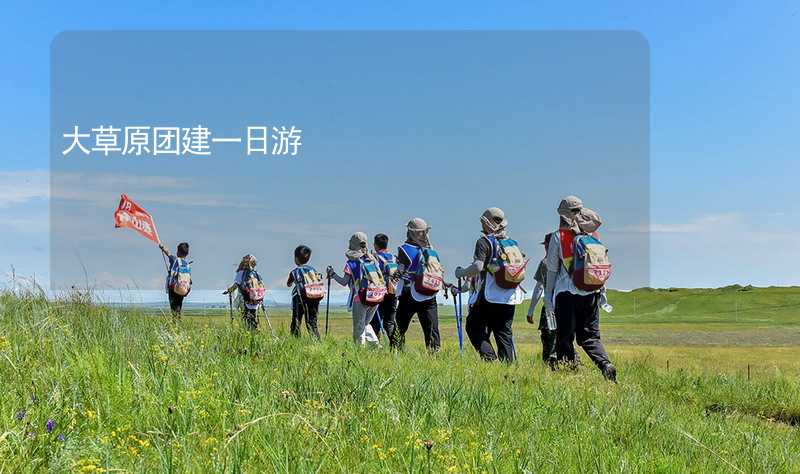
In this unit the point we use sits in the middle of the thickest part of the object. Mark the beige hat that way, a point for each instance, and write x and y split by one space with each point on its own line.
417 232
588 220
357 247
418 224
567 209
571 203
494 220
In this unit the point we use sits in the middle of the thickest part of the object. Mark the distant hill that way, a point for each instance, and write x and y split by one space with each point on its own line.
731 303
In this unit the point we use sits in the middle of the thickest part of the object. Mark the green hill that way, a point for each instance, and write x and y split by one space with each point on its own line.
734 304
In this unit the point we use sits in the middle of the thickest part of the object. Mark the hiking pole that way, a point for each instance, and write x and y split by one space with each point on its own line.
163 255
328 304
380 323
269 323
230 306
457 303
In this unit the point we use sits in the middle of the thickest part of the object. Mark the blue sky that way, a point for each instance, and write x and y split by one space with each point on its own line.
396 124
724 108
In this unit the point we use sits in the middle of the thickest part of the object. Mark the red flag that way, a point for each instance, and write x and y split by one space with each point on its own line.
131 215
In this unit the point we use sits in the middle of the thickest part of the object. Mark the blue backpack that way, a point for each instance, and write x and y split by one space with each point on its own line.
252 287
180 277
426 269
309 283
369 282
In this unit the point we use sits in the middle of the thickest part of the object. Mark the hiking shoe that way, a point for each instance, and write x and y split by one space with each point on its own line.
610 373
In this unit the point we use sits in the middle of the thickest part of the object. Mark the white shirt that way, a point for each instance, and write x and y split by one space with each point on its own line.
554 262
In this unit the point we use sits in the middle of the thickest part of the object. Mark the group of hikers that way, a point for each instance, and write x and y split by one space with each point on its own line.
387 290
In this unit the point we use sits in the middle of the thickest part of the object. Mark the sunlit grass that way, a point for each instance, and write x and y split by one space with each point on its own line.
134 392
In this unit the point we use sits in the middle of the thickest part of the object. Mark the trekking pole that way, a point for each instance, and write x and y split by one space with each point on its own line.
269 323
380 324
230 306
328 304
457 303
163 256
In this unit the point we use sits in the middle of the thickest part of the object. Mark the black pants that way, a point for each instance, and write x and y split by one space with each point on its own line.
250 318
578 319
386 317
548 337
485 319
175 303
308 309
428 314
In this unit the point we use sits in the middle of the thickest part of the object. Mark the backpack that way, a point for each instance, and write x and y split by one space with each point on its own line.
507 263
309 283
591 267
429 274
252 288
369 282
388 266
180 277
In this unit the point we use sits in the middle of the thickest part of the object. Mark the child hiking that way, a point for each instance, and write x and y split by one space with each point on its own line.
251 290
308 289
423 278
387 310
367 287
179 277
577 269
499 267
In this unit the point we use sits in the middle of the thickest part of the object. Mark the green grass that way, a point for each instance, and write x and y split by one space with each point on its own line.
134 392
710 330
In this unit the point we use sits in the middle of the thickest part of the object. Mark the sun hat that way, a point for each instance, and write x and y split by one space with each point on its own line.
357 247
494 220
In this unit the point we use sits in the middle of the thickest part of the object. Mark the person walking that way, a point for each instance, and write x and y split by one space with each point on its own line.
251 290
359 263
576 310
499 267
179 277
307 292
423 278
387 310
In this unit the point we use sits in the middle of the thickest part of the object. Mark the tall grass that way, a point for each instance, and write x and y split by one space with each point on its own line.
126 391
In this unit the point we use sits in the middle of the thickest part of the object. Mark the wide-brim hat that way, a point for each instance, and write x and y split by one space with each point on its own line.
573 203
357 246
495 218
418 224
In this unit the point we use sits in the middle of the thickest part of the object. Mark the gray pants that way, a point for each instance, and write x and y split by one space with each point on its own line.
362 331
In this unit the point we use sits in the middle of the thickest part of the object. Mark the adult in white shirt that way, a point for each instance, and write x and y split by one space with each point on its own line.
577 312
491 307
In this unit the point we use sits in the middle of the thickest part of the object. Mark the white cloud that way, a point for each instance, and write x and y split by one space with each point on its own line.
102 189
30 224
703 224
18 187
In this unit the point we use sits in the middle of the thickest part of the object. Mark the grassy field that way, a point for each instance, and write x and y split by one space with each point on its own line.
719 330
94 389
